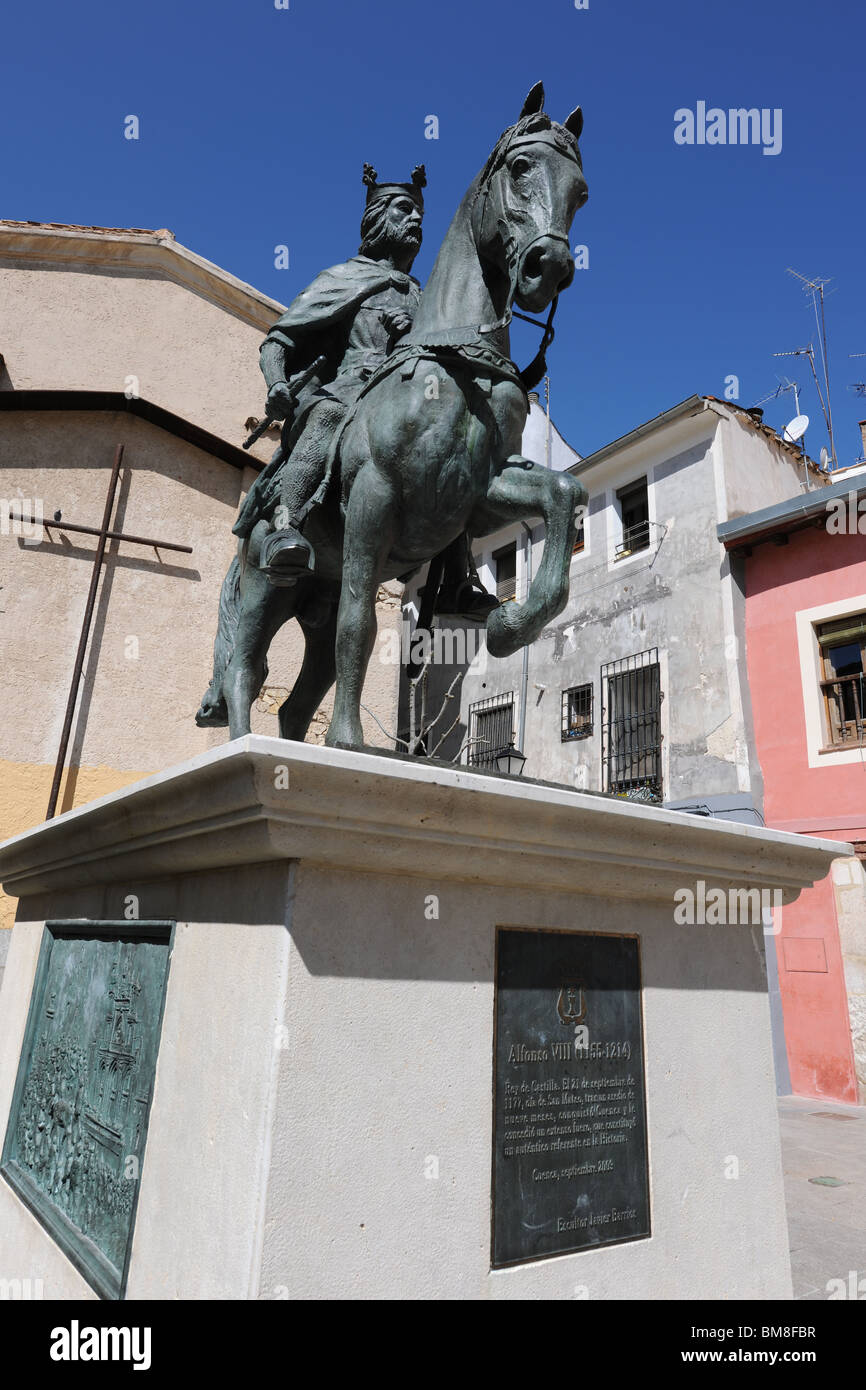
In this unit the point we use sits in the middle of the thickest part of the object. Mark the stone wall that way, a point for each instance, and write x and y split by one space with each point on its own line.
149 658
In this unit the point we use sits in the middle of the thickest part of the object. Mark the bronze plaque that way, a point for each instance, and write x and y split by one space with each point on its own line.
78 1124
570 1164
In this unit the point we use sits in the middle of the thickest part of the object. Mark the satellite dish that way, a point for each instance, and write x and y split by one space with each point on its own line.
825 459
796 428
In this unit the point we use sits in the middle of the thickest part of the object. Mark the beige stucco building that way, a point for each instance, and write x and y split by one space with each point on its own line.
114 337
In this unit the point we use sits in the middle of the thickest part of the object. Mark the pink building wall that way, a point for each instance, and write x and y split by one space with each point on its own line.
813 569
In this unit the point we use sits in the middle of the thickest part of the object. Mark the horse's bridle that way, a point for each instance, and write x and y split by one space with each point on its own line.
514 253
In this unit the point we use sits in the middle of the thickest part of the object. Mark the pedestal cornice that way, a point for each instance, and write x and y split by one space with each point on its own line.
373 811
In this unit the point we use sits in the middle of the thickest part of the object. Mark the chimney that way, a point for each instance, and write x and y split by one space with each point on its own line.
863 437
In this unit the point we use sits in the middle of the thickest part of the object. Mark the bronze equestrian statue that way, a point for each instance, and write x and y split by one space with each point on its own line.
329 342
377 477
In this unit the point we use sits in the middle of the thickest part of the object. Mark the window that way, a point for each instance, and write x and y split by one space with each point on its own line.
576 712
634 510
580 538
631 726
491 729
842 645
505 566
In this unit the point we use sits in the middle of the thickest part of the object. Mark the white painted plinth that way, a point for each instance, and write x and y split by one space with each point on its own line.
326 1035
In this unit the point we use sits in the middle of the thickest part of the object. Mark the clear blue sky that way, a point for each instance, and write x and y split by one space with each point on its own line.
254 123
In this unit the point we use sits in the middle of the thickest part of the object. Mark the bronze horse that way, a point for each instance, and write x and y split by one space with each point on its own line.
431 448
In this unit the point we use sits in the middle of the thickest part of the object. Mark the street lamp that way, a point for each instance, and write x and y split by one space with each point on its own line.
511 761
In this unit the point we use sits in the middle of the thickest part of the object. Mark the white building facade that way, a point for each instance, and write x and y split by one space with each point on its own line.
639 686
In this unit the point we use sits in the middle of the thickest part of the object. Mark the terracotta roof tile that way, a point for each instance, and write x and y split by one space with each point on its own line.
77 227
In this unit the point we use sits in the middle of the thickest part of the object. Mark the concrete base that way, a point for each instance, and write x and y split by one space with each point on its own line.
321 1123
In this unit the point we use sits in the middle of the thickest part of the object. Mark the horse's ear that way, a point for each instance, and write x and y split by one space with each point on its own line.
574 122
534 102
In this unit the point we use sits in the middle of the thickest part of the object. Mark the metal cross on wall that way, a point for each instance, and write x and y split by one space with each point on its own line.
104 533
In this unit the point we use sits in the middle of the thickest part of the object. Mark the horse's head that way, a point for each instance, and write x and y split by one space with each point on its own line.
525 201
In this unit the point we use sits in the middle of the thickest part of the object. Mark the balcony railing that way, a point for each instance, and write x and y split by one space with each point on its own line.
634 538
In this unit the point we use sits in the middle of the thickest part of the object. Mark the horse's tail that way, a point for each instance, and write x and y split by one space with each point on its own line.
213 711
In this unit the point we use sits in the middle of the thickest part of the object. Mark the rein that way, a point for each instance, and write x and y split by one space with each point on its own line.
532 374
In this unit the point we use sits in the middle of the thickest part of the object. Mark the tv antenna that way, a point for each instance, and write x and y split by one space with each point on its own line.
810 353
858 387
785 384
815 288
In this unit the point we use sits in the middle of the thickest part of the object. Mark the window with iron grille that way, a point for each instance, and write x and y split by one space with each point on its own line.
576 712
505 566
843 663
631 726
491 729
634 510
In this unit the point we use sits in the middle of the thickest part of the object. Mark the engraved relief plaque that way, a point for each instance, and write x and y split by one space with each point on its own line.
77 1128
569 1110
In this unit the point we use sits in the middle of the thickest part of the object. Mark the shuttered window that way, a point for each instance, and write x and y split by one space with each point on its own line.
634 509
842 645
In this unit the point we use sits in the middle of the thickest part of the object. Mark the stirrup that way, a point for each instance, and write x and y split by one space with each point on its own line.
286 557
469 601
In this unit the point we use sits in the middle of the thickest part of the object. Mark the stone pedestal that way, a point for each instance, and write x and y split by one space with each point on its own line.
321 1122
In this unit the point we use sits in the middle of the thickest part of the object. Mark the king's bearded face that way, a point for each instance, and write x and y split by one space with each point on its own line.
393 229
403 224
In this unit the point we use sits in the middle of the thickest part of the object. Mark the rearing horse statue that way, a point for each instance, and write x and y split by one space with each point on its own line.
431 449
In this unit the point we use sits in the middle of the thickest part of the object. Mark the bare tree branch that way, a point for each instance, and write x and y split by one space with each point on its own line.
419 729
448 696
394 738
449 730
468 744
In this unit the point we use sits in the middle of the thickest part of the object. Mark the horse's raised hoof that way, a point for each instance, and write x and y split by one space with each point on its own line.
504 630
285 557
212 714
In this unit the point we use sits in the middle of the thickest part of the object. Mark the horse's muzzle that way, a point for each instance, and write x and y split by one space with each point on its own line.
546 269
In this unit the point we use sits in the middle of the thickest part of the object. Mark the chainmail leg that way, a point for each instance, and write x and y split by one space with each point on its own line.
305 467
